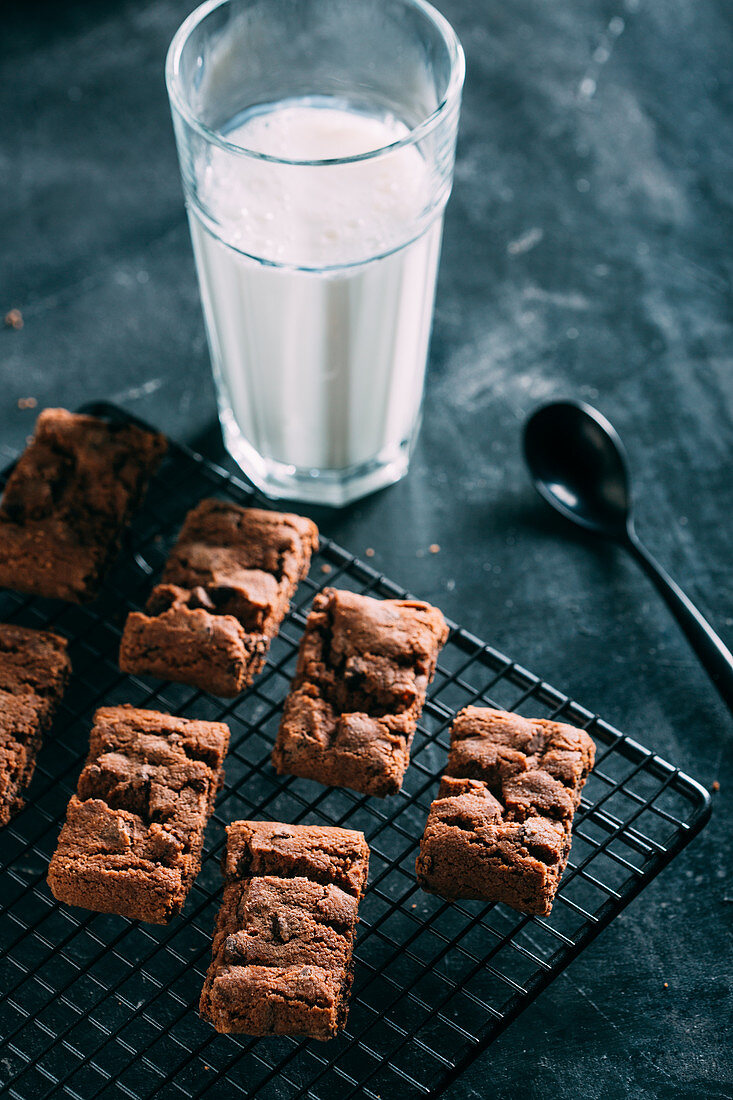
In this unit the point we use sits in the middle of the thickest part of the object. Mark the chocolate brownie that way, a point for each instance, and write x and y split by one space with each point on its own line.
223 594
284 939
34 670
134 829
363 670
500 828
68 501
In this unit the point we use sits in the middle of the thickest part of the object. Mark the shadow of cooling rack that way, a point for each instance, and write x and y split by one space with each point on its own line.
99 1006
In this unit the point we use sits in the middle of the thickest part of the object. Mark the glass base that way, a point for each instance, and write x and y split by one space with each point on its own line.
279 480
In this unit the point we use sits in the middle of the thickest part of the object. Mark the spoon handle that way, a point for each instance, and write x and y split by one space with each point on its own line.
715 657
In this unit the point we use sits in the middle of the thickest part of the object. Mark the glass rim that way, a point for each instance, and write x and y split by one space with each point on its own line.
414 134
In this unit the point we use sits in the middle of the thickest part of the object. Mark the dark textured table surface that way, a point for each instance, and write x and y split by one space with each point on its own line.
587 253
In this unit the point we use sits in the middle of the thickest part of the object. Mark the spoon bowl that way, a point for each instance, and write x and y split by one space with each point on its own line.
578 464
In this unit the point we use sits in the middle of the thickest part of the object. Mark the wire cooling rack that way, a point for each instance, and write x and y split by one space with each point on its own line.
94 1005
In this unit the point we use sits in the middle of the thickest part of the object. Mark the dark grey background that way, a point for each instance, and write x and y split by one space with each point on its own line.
587 253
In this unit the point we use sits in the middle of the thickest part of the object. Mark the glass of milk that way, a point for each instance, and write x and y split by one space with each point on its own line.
316 140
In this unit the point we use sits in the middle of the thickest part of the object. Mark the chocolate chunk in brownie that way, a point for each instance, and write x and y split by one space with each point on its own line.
34 670
284 939
500 828
224 592
134 829
363 670
68 501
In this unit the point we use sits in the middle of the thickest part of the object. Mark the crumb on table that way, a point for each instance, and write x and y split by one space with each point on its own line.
715 785
14 319
434 548
27 402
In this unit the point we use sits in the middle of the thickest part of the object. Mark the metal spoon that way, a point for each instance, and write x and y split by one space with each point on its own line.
579 465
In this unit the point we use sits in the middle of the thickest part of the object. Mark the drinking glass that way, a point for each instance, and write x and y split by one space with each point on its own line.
317 276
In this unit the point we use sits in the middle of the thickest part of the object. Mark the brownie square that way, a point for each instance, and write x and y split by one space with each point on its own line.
134 830
34 671
225 590
500 828
283 945
363 671
68 501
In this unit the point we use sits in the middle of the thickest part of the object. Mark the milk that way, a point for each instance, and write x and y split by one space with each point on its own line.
317 284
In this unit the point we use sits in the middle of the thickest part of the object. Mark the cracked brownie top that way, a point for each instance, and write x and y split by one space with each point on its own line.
33 662
131 843
225 589
34 670
322 853
281 960
363 671
500 827
68 500
163 771
293 921
367 655
237 561
531 766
